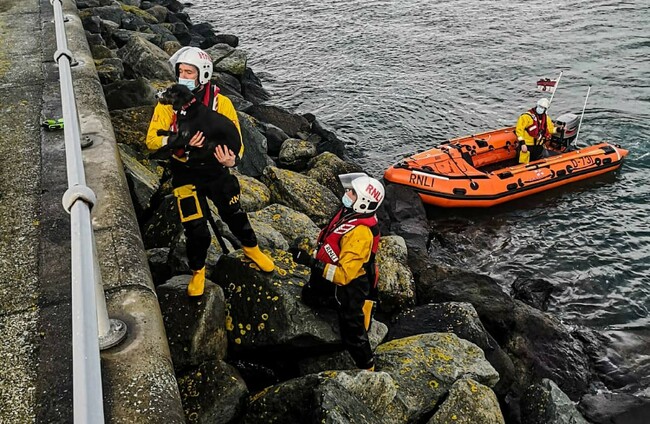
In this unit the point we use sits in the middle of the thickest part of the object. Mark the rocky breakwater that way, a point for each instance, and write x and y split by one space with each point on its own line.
450 345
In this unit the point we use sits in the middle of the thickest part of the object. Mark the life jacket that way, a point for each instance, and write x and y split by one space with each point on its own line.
210 99
328 247
539 128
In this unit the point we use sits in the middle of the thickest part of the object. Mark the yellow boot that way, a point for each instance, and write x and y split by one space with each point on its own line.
263 261
195 287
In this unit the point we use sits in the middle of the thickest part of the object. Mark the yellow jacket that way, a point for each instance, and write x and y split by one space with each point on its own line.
525 121
163 116
356 247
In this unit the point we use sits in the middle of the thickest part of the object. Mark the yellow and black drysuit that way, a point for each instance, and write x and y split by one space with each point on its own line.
196 180
344 271
534 130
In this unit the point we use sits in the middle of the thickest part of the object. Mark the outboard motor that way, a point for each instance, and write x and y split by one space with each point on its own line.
563 138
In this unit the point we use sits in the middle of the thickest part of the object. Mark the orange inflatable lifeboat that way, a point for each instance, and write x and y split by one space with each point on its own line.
482 170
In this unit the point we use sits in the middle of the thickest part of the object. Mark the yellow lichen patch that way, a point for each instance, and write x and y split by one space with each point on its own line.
242 332
229 325
237 340
472 387
330 374
454 417
282 271
275 298
265 316
433 384
259 394
248 327
260 326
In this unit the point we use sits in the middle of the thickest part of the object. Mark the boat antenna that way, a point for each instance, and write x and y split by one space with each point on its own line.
557 84
582 116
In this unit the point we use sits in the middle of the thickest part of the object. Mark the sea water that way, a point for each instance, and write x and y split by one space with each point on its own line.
391 78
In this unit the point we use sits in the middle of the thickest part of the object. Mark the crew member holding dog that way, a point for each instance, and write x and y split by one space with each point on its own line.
534 128
193 181
344 273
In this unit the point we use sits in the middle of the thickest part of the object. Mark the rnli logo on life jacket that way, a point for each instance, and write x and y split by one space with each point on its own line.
330 252
343 228
373 192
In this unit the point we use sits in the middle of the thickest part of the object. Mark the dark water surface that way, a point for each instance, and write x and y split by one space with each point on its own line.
395 77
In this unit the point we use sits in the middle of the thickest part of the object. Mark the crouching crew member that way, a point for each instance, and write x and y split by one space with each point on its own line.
195 181
534 128
344 273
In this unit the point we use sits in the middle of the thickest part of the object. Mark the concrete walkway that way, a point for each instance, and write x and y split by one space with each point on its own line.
35 315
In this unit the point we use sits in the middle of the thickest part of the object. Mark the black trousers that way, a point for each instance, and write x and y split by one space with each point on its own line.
224 191
348 300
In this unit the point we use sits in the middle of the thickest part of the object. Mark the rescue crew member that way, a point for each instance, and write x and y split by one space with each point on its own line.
193 183
534 128
344 273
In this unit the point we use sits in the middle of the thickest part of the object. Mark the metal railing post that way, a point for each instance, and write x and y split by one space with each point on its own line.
92 330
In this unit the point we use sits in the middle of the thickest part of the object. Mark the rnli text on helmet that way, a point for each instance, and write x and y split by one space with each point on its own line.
376 194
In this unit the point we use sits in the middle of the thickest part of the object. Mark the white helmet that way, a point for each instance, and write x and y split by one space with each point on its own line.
369 191
543 103
196 57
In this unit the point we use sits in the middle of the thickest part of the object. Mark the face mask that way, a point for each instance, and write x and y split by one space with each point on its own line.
191 84
347 202
540 110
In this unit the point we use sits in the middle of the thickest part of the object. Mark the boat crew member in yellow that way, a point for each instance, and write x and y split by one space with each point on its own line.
534 128
195 181
343 270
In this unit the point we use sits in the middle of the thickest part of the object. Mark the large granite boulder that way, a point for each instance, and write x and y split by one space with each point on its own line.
195 326
290 223
146 60
228 59
212 393
425 367
462 320
265 313
396 285
143 183
131 126
539 344
469 402
290 123
255 158
325 169
359 397
545 403
402 213
301 193
254 194
295 154
127 94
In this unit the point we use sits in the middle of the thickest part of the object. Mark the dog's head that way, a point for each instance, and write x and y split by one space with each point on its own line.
177 95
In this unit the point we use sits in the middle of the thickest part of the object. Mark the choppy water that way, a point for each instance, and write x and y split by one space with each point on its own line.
396 77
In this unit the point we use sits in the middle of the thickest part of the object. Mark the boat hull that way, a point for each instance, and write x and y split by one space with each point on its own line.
481 170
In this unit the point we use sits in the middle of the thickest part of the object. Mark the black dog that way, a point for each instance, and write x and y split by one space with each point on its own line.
193 116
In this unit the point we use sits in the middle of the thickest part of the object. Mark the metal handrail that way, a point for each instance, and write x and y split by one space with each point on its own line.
92 330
